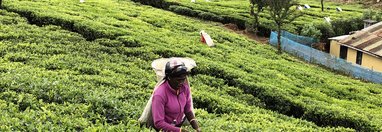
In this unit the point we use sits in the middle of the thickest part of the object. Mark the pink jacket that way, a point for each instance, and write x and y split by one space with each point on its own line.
169 106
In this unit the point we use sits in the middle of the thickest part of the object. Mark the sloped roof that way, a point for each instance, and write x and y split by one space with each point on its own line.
339 38
368 40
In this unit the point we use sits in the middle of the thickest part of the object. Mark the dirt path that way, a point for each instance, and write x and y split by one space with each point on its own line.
233 27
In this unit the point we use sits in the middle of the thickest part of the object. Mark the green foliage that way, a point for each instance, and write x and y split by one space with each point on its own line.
210 16
109 42
183 10
281 13
326 30
372 15
260 5
311 31
129 41
378 16
155 3
237 12
368 14
344 26
53 79
196 13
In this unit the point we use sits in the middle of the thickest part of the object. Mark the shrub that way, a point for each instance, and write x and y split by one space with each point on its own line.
108 42
344 26
183 10
210 16
156 3
129 41
368 14
378 17
326 30
311 31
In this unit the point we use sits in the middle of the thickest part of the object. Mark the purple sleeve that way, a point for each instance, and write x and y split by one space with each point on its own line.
187 108
158 115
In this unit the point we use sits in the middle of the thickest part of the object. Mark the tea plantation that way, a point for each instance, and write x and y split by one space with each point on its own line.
238 12
71 66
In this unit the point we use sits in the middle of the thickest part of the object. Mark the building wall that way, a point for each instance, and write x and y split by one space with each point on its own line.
368 61
372 62
334 48
352 56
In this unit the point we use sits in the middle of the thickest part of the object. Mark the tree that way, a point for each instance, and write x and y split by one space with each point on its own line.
282 13
322 5
0 4
260 5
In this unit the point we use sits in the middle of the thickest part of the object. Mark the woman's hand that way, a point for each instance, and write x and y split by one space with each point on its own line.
194 123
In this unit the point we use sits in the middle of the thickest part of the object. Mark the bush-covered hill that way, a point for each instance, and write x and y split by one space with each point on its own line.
237 12
53 79
87 67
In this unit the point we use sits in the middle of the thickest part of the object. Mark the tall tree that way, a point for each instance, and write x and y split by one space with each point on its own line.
282 13
1 1
322 5
260 4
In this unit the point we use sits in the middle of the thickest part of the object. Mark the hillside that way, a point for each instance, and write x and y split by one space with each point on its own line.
238 12
86 66
366 3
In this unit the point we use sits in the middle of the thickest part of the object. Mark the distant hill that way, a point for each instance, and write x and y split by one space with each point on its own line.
370 3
